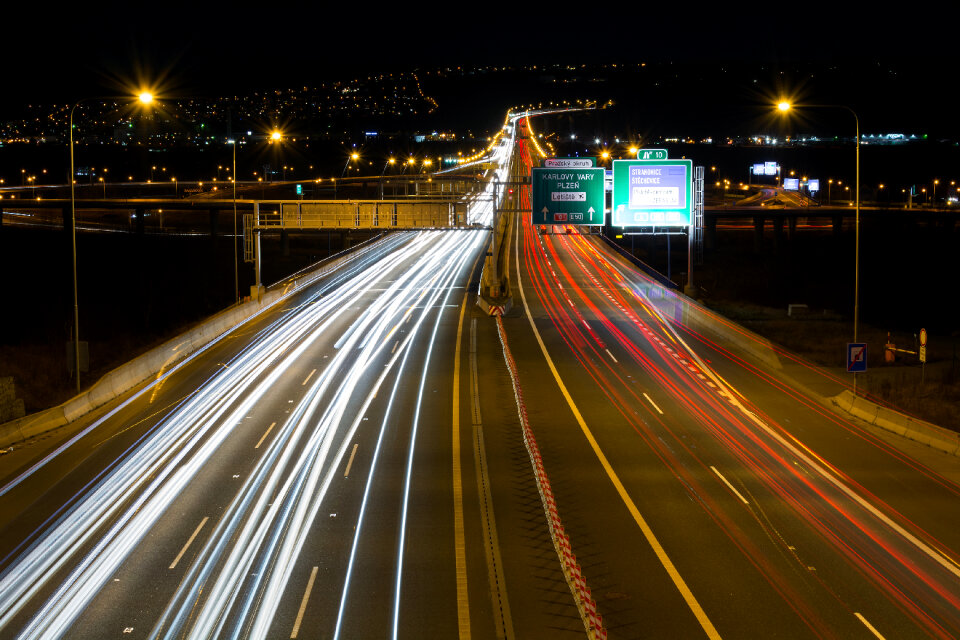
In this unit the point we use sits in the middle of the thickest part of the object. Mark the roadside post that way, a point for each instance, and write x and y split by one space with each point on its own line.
923 354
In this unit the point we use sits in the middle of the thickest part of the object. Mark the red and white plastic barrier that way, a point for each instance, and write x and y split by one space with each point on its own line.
592 620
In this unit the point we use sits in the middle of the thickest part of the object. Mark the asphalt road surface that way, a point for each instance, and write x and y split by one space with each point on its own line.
713 490
350 464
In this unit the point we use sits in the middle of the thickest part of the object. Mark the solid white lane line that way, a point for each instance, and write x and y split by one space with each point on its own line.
650 400
266 433
307 379
727 482
196 532
868 625
610 354
394 346
303 603
350 461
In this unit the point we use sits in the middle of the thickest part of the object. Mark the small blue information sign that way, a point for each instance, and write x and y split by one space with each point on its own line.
856 357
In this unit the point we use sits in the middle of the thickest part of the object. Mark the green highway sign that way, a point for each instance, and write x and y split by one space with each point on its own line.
568 196
652 154
652 193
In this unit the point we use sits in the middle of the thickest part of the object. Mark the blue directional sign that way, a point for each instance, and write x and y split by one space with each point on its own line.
652 193
856 357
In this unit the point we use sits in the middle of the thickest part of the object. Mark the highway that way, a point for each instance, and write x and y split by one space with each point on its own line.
713 493
351 464
294 479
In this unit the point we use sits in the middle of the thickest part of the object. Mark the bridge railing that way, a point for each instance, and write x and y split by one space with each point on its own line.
359 214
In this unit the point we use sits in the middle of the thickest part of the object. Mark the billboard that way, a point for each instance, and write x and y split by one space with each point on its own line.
652 193
791 184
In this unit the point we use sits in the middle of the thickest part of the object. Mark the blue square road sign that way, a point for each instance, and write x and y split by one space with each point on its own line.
856 357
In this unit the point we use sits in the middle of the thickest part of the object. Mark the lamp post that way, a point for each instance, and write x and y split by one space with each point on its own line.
353 156
145 98
385 164
236 268
786 106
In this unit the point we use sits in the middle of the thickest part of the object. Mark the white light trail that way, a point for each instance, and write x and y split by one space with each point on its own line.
235 583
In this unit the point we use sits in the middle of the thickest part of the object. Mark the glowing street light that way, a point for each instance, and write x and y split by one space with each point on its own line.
145 98
385 164
784 107
353 156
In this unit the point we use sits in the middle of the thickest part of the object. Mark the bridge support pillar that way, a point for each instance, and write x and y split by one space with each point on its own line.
757 234
710 233
214 222
138 219
777 232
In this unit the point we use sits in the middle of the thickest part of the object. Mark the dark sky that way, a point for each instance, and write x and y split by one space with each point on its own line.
97 48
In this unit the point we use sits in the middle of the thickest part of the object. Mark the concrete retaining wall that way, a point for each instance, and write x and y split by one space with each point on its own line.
896 422
10 406
163 358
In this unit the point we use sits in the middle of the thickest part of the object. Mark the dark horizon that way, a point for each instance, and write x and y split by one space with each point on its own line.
190 50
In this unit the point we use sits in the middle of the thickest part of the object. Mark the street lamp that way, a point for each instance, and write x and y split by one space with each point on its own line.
786 106
388 162
236 268
145 98
353 156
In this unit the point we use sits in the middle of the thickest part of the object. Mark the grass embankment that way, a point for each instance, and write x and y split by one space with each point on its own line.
931 393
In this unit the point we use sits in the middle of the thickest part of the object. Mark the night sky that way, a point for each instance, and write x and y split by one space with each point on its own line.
194 49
